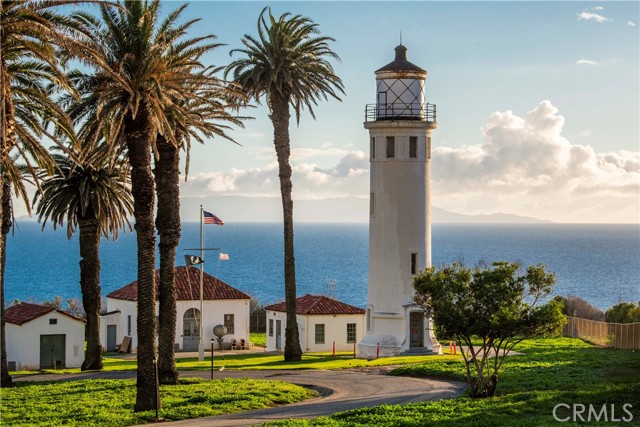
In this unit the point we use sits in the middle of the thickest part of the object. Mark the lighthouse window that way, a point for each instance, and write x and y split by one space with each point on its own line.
372 205
414 263
413 147
373 148
391 147
428 147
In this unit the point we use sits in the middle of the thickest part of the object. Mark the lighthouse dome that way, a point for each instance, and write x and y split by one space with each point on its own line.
400 62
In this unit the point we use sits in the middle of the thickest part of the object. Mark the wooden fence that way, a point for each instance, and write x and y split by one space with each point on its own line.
625 336
258 321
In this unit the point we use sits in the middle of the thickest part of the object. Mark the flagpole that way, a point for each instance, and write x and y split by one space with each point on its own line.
201 344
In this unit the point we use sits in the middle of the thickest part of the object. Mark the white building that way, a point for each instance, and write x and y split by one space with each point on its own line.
222 305
322 321
400 126
38 337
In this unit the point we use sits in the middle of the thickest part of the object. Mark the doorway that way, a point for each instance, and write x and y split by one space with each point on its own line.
111 337
381 106
416 328
52 351
191 330
278 334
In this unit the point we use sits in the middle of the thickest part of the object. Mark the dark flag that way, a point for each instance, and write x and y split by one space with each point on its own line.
193 260
210 218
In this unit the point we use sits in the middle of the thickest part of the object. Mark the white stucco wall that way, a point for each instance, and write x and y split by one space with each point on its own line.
23 342
214 312
126 308
274 316
335 329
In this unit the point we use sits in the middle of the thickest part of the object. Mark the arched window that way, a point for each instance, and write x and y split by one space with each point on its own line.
192 323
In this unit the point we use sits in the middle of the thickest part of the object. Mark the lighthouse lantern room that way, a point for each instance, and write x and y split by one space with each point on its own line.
400 125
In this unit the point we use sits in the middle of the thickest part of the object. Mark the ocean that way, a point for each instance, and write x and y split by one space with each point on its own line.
600 263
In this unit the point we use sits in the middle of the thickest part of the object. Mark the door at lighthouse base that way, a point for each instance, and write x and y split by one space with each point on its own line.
416 329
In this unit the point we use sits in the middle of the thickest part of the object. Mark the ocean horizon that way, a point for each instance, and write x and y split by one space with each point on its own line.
597 262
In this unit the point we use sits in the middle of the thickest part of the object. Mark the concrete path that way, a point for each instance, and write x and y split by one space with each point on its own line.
340 390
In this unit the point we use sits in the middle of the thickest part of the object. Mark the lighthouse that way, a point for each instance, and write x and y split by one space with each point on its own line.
400 124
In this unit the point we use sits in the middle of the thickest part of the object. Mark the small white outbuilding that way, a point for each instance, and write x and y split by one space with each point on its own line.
43 337
222 305
322 322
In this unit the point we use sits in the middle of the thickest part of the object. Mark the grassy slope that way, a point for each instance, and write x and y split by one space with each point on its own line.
551 371
108 403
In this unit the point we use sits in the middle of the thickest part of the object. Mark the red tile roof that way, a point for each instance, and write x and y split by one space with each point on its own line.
187 287
318 304
24 312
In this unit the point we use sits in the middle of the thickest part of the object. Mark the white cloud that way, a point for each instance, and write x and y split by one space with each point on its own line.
590 16
584 134
298 154
631 23
349 177
525 166
586 62
597 8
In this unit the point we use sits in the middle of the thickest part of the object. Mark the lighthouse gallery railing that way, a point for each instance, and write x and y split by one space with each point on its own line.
400 111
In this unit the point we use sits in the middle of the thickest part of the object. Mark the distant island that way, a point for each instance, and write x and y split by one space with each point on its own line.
345 209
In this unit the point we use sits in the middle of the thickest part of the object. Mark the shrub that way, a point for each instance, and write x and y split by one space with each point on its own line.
624 312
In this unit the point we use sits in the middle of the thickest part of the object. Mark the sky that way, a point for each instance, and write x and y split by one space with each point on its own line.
538 106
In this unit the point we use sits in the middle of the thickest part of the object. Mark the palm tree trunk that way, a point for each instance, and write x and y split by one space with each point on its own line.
7 140
167 173
280 118
5 214
139 134
90 286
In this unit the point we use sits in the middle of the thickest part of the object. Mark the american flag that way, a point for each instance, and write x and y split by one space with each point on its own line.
210 218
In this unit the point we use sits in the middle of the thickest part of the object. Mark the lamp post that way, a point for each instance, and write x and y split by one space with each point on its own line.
212 340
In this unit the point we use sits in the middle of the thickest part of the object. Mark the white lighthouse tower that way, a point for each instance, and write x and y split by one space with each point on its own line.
400 126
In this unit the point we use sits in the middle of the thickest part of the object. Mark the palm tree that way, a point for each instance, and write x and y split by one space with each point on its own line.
142 67
12 174
6 226
207 116
288 65
93 197
30 30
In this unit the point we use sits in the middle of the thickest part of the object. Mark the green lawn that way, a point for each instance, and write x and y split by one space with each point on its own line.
108 403
258 361
550 372
258 338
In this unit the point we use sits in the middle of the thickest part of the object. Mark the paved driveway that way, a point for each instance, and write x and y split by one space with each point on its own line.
340 390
